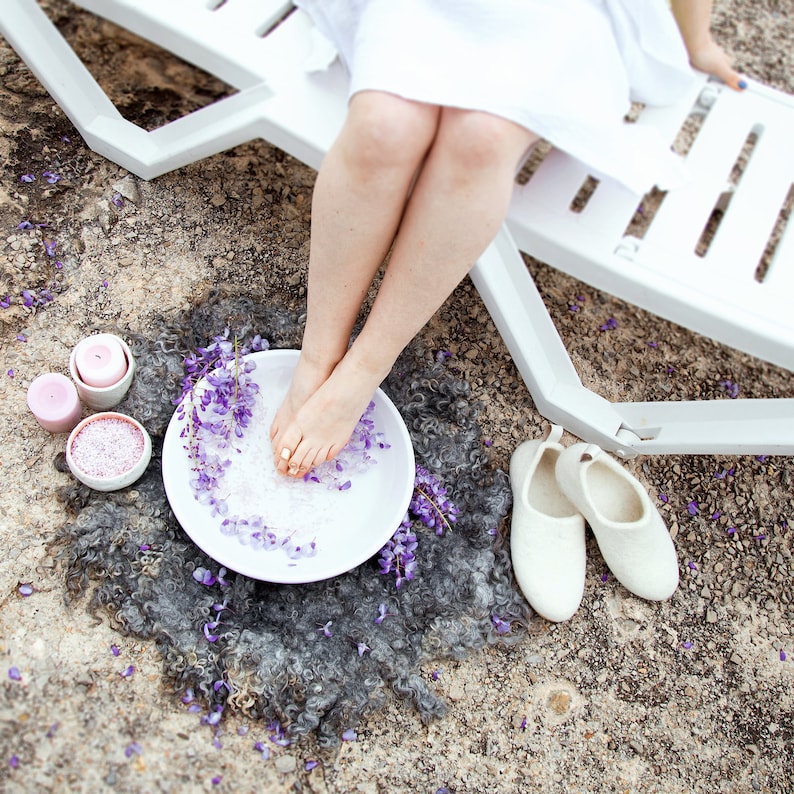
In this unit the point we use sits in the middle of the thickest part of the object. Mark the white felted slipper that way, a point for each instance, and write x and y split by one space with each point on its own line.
631 533
547 541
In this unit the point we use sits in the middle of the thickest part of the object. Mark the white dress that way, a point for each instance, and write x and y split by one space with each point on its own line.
567 70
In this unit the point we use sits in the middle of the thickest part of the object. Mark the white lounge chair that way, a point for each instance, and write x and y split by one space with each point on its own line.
260 48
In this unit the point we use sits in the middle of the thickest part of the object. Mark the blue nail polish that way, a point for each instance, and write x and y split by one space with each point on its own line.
742 84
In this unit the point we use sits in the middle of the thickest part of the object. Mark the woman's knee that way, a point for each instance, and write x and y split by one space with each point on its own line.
483 141
383 130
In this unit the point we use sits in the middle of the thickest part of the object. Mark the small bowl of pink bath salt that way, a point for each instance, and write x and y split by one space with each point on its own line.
108 451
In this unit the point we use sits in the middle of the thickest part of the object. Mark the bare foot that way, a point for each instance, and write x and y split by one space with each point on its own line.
307 378
324 423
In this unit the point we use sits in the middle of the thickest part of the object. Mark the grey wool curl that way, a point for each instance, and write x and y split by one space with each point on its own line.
128 551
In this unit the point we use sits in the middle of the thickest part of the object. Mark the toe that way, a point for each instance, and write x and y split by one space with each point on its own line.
284 452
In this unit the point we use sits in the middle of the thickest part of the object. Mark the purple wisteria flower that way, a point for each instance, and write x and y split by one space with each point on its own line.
501 626
609 325
278 736
397 555
27 178
730 388
429 503
362 648
430 506
31 300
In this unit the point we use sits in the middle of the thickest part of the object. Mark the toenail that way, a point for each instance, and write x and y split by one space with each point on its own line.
286 454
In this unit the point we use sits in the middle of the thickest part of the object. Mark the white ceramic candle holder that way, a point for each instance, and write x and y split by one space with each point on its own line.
108 456
102 398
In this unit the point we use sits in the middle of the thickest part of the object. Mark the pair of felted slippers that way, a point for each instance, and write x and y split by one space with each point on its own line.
556 490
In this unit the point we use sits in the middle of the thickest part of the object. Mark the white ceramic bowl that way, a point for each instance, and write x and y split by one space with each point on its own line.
86 462
105 397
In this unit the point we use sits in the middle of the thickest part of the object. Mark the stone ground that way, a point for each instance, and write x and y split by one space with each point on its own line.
690 695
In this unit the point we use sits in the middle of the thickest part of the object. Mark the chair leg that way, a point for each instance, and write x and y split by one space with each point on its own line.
627 429
215 128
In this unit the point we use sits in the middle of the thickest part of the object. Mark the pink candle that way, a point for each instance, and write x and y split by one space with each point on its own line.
54 402
100 360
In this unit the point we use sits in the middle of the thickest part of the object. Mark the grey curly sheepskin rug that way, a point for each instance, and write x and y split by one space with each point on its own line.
269 660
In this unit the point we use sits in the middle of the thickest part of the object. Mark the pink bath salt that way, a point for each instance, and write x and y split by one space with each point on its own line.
106 448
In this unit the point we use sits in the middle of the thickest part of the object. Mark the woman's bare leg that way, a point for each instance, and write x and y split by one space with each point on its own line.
358 201
457 205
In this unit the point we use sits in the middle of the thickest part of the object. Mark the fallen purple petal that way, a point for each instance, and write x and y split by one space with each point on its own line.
349 735
133 748
310 764
26 590
782 655
128 672
501 626
14 674
686 645
27 178
609 325
13 762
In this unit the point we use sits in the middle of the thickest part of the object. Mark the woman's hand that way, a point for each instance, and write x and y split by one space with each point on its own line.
694 22
709 57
